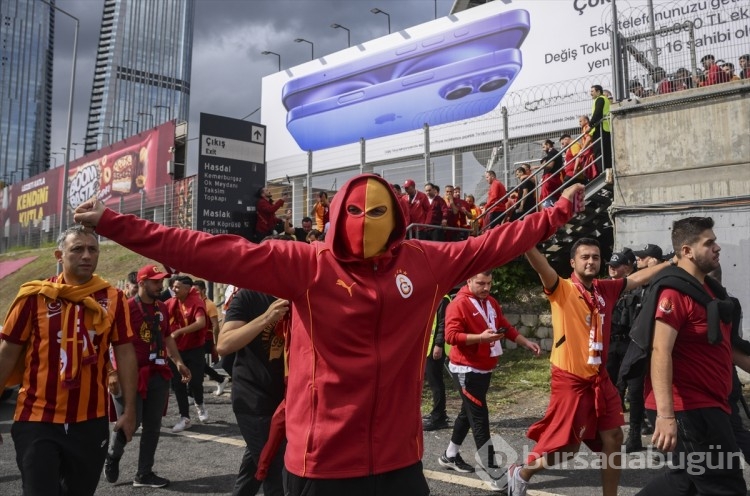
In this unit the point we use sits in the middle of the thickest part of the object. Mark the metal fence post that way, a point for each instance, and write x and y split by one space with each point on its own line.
427 168
506 147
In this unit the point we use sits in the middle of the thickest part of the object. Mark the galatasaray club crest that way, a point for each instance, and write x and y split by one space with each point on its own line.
404 285
665 305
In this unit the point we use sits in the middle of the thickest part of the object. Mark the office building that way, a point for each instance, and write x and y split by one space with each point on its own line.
142 73
26 43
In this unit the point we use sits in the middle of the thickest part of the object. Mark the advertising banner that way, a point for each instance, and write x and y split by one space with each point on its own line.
125 170
456 72
231 169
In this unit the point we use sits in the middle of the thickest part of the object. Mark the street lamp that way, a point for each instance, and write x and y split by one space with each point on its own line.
268 52
148 114
378 11
63 210
57 153
312 46
66 150
122 131
348 33
137 126
169 110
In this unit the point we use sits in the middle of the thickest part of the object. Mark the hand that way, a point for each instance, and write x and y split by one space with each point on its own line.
126 422
184 372
490 336
572 191
89 213
277 310
665 434
437 352
530 345
113 384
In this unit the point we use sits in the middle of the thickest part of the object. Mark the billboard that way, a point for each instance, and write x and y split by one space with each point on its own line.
123 171
231 168
455 73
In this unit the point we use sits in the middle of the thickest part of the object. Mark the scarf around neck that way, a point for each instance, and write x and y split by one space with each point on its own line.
595 302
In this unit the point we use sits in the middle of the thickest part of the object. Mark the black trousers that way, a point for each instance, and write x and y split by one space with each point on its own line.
148 413
193 359
433 374
255 429
407 481
740 433
60 459
474 414
603 150
707 460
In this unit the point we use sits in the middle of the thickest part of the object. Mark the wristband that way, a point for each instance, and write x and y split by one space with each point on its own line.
665 417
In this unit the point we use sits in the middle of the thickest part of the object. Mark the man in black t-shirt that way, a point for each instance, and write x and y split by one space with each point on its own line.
254 327
526 196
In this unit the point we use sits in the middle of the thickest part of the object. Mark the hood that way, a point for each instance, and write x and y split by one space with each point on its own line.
335 238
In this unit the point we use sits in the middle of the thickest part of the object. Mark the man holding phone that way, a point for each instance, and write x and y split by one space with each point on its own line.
474 325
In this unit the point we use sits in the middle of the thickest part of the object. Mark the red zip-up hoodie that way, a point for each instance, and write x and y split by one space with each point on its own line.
360 326
462 319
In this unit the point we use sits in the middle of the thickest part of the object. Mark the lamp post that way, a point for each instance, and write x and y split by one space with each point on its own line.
56 153
122 131
63 210
65 148
379 11
104 134
168 108
137 126
268 52
312 46
148 114
348 33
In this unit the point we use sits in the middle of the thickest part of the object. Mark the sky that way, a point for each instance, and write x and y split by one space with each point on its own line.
228 40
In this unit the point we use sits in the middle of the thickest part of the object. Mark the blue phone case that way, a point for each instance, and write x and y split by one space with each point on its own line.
447 77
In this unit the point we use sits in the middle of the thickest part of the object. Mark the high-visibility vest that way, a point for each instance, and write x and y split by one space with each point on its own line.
604 123
447 347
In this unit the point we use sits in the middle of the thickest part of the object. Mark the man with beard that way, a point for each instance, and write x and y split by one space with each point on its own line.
584 404
355 378
691 372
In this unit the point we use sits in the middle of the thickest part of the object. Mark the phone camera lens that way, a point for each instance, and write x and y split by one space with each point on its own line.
458 92
493 84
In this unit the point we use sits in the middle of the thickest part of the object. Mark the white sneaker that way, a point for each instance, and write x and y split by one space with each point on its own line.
516 485
202 414
500 484
220 387
183 424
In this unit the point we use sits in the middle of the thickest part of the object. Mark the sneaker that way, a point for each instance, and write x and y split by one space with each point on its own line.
220 387
499 485
455 463
434 425
516 485
150 480
183 424
202 414
111 469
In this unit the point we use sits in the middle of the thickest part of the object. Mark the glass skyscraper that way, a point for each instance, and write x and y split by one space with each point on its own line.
142 73
26 43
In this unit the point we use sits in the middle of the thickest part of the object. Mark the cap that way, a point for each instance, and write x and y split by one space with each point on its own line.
409 183
621 258
649 251
151 272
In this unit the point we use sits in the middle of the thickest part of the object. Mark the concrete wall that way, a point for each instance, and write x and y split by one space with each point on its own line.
687 154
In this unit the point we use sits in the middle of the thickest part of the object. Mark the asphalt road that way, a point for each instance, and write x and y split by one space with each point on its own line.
205 459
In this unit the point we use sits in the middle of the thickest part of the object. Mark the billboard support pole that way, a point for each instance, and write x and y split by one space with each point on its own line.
427 170
362 155
506 148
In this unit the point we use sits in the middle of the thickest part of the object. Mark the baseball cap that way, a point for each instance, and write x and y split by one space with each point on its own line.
649 251
151 272
621 258
409 183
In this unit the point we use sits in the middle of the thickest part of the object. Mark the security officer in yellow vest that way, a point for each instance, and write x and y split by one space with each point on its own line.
437 350
600 127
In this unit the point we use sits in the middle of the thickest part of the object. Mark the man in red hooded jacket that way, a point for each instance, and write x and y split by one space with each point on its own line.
355 377
474 325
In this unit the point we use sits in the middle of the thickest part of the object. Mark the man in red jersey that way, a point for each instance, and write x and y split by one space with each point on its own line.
364 361
55 342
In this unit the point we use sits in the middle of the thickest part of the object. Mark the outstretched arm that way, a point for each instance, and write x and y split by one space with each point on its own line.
539 263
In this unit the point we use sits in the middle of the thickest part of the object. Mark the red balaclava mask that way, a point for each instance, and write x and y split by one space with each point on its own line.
368 218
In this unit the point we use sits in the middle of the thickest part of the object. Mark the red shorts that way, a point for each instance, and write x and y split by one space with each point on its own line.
578 410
